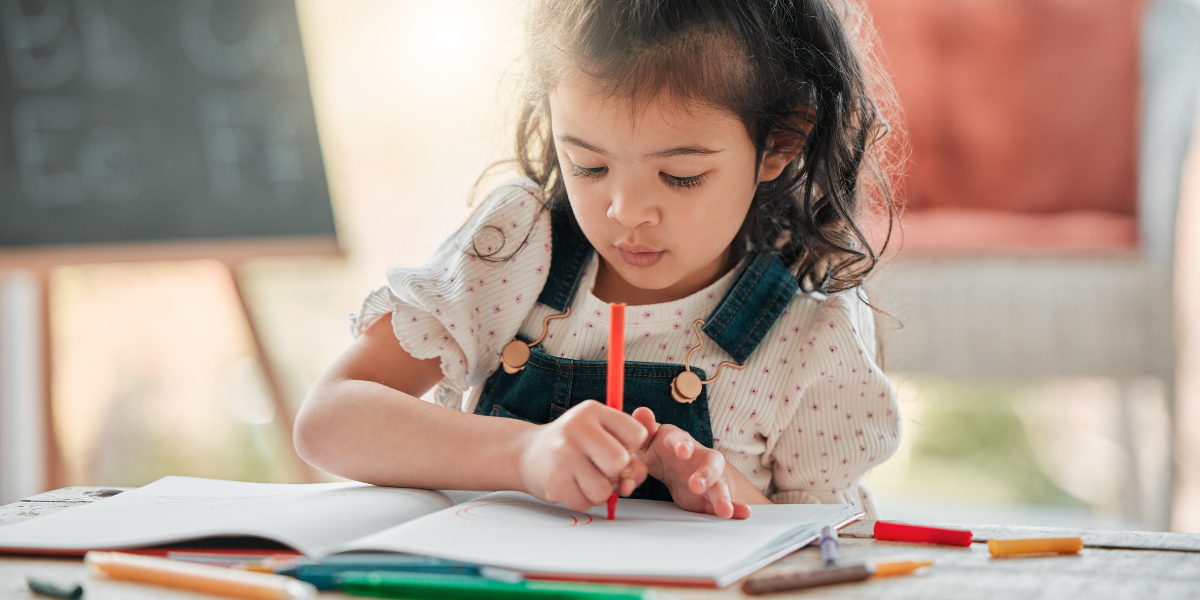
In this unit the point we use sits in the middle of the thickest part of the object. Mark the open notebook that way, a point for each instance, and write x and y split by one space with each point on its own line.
650 542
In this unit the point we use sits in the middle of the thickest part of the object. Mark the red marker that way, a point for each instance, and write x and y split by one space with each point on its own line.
898 532
615 398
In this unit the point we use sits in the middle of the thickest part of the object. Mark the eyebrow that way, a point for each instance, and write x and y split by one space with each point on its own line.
680 151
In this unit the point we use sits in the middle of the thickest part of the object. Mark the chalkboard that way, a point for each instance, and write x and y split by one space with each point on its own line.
130 121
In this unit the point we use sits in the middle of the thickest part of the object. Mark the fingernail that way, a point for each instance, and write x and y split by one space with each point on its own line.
703 482
627 473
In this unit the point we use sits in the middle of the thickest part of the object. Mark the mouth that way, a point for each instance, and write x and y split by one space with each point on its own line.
638 255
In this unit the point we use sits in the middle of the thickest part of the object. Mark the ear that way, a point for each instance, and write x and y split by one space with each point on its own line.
785 144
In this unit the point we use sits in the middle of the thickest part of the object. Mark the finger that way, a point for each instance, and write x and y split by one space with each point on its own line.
628 430
710 465
645 416
603 450
594 485
740 511
565 491
575 499
677 441
722 504
632 477
626 487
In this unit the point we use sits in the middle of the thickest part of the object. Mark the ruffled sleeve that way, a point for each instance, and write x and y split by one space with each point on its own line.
846 419
460 308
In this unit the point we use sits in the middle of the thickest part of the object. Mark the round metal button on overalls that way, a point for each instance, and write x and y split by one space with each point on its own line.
686 387
514 356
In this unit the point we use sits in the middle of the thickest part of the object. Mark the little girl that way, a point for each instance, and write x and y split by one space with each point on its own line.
705 162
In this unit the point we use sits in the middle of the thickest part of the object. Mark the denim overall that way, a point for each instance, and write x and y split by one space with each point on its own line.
548 386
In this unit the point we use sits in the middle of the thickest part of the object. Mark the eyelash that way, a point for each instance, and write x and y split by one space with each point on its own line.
579 171
684 183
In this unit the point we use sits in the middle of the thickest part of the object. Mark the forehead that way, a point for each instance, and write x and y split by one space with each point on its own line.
587 109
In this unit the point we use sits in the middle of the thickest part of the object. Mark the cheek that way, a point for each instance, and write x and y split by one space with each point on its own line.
719 217
587 203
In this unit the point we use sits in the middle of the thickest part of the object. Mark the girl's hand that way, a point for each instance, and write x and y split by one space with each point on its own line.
582 457
691 471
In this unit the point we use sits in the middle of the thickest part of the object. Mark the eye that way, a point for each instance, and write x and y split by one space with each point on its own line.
685 183
594 172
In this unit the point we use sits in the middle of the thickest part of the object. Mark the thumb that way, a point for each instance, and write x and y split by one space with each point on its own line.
645 416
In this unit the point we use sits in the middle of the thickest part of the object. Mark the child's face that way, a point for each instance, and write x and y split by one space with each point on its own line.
660 191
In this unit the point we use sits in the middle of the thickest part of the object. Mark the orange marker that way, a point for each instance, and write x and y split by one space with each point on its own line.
615 397
1063 545
204 579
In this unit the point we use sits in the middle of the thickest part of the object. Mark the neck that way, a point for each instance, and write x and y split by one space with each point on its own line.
611 287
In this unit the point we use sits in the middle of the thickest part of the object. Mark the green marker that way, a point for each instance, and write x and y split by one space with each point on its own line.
416 586
46 588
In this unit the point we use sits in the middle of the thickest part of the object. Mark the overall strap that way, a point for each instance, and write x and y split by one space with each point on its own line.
568 256
762 291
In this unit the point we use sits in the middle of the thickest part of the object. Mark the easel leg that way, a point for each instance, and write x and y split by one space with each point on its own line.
283 412
52 454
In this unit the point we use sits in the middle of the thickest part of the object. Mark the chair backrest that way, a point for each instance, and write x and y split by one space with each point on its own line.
1020 107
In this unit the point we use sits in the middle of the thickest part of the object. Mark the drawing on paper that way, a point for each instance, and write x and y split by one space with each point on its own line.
524 514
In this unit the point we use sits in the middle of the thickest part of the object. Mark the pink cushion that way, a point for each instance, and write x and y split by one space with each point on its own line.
965 230
1019 106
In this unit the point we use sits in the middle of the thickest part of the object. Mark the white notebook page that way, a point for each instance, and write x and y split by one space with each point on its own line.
312 518
648 539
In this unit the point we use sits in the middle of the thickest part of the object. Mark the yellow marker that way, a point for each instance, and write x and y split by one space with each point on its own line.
1062 545
195 577
899 567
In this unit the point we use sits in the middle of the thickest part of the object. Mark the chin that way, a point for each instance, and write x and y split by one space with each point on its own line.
646 278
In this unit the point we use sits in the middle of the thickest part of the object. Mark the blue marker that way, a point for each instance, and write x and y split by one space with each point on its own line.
323 574
829 545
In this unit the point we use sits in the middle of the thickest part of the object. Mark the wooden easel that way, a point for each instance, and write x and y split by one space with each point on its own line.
232 253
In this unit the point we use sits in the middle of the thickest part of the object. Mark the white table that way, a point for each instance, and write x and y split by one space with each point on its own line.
1113 564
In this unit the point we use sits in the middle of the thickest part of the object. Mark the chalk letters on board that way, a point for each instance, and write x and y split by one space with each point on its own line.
130 121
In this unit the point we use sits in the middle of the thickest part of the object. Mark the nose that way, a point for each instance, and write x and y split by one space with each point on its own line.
633 209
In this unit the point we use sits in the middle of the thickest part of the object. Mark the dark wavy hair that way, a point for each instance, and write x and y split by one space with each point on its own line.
800 71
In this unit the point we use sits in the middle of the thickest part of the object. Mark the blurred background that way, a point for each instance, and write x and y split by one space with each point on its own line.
1046 364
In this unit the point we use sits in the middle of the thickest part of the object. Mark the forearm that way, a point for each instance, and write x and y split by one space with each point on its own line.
740 488
372 433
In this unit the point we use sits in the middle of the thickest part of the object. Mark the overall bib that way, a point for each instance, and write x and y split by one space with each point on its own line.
548 386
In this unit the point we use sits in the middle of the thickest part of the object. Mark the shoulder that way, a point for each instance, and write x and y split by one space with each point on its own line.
519 197
845 315
477 288
512 216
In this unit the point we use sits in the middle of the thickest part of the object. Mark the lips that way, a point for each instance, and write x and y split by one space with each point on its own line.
638 255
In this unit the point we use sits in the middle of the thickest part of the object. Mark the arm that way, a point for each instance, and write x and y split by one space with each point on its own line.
846 420
362 420
740 488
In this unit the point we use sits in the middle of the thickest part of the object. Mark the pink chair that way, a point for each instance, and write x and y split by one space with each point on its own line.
1047 145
